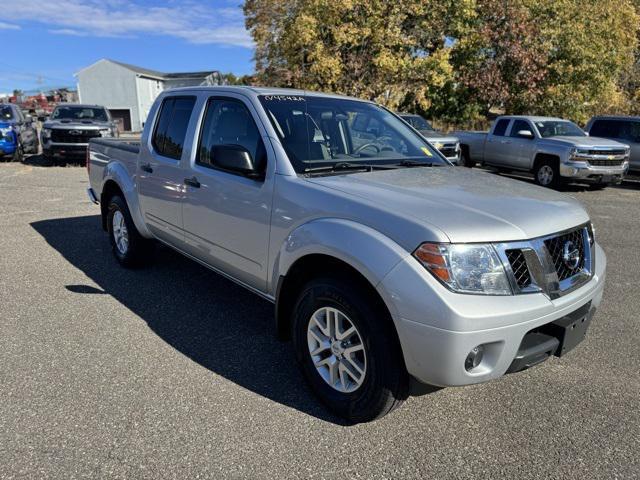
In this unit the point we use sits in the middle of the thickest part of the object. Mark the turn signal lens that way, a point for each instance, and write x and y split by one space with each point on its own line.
465 268
434 260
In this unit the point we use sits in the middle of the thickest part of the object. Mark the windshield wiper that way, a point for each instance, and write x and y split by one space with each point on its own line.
415 163
347 166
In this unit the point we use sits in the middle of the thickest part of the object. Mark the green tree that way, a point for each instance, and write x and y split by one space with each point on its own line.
592 46
391 52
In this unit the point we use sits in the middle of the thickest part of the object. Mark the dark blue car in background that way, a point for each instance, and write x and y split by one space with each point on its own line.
18 134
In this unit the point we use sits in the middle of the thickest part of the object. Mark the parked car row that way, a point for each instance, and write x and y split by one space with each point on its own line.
389 268
556 150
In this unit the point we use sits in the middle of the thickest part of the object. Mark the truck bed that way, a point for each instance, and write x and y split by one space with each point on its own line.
131 145
121 153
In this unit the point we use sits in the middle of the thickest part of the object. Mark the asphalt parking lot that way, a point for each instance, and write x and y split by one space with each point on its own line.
174 372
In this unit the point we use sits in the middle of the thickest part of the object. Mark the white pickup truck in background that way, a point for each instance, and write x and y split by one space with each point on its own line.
553 149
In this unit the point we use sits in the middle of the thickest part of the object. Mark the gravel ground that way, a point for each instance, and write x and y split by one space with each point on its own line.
174 372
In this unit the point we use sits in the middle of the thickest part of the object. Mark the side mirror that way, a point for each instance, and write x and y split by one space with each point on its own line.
586 134
526 134
236 158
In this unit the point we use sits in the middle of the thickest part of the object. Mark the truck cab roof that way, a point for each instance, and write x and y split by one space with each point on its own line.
250 90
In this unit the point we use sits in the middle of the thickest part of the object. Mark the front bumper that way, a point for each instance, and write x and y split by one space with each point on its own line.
7 149
65 150
588 172
438 328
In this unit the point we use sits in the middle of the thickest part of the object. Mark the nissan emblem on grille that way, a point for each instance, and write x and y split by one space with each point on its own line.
570 255
75 132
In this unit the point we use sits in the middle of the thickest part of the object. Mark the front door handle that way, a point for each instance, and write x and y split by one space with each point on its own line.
192 182
146 168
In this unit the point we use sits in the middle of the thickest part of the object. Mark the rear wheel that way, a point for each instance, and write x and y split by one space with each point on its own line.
348 351
129 247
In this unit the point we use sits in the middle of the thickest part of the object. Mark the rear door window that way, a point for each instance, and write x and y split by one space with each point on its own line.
171 127
501 127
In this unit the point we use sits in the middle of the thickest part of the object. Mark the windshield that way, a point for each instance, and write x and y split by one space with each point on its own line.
321 131
80 113
6 113
418 122
559 128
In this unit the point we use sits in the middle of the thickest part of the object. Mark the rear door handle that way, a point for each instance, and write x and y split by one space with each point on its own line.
146 168
192 182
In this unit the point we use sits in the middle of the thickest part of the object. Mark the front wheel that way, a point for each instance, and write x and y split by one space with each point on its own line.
129 247
547 174
18 155
348 351
465 158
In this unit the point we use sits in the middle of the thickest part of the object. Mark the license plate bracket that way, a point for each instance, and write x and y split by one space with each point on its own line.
571 329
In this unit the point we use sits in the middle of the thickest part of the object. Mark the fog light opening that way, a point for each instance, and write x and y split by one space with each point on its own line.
474 358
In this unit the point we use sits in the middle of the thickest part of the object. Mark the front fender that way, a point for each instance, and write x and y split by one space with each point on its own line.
118 173
367 250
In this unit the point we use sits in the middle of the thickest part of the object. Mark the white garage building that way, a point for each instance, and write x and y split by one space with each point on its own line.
129 91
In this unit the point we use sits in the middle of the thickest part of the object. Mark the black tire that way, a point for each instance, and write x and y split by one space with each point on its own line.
547 174
465 158
18 155
386 381
139 250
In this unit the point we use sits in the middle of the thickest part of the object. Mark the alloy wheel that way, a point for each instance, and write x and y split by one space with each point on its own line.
120 232
336 349
545 175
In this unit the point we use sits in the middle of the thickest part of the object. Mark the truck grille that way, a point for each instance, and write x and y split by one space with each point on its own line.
607 152
519 267
606 162
553 264
448 150
63 136
556 246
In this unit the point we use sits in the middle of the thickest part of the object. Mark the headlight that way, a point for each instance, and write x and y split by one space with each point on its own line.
106 132
46 133
465 268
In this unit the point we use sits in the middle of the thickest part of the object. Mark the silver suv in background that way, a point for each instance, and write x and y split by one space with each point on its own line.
387 265
553 149
67 133
621 128
447 145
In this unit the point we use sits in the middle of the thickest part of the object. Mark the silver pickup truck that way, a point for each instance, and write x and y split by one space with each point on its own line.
389 268
553 149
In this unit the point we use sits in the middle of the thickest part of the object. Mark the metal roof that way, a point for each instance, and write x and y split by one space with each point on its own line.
146 72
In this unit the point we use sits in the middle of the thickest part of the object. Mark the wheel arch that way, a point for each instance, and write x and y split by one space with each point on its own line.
117 180
331 247
542 156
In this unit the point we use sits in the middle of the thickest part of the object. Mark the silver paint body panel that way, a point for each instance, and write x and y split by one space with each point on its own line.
254 231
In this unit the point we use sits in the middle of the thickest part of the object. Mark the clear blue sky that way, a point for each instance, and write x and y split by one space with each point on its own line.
47 41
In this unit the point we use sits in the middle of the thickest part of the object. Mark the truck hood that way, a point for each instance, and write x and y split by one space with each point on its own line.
434 136
79 124
467 205
584 142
